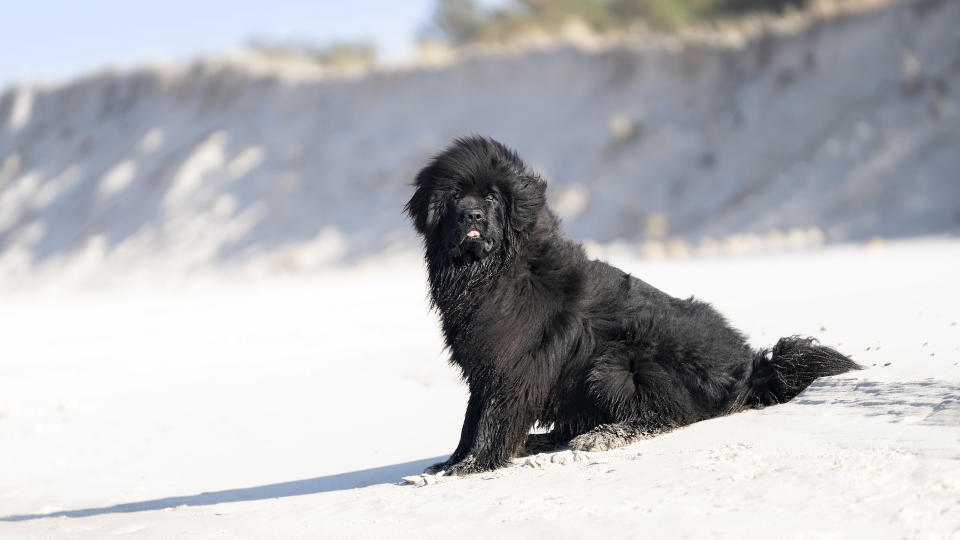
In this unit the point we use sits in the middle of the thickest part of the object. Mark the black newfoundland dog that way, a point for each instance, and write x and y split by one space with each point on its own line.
545 335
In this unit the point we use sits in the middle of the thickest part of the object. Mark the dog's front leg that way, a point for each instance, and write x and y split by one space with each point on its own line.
501 432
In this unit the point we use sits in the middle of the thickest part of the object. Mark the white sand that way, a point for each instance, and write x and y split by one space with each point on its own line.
224 408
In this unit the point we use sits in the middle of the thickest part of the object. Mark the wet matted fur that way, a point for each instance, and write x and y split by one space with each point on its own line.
545 335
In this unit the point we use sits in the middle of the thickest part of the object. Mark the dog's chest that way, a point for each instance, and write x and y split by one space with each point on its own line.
507 332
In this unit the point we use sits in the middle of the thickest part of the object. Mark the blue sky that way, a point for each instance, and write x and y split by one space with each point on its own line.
53 40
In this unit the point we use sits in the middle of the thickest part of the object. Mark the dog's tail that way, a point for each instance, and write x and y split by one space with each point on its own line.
794 363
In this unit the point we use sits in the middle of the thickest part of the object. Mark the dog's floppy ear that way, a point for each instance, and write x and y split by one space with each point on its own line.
528 197
421 207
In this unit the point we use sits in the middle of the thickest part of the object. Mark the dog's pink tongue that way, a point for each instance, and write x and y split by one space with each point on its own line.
473 234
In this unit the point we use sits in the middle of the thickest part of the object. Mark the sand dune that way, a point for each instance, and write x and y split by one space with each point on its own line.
834 131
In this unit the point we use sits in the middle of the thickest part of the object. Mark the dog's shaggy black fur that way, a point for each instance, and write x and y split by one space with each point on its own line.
545 335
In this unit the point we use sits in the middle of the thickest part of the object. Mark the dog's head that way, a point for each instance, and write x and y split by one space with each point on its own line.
474 199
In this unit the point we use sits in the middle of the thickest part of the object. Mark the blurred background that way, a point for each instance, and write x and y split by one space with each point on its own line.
159 141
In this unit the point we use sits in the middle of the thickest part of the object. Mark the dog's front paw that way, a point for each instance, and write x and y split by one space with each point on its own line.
540 442
469 465
437 467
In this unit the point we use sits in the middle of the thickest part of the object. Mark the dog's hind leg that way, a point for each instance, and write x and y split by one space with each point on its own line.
610 436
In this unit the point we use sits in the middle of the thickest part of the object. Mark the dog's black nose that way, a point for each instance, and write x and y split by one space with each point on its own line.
474 215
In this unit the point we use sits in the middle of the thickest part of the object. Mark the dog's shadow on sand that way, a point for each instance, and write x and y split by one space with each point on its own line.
321 484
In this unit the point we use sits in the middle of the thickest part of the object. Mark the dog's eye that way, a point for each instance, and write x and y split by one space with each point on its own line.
457 194
491 196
